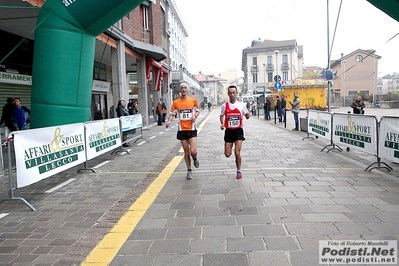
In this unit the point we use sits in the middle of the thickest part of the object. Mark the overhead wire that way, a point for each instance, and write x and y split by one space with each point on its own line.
336 26
370 53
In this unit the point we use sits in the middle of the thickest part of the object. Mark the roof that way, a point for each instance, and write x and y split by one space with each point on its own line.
366 53
270 44
202 77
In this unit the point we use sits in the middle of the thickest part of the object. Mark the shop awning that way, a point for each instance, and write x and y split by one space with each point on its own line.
160 73
389 7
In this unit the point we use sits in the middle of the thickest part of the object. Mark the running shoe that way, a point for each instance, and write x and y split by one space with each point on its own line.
196 163
189 175
239 175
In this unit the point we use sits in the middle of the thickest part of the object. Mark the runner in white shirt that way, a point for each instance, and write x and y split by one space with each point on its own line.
231 117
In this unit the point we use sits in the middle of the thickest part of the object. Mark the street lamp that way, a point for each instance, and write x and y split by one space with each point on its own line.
264 81
264 88
277 79
344 82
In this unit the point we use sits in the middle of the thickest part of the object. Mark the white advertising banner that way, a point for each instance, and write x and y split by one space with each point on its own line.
319 123
389 138
131 122
43 152
102 136
356 131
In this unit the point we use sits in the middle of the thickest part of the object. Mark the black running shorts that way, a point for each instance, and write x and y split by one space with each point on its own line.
232 135
188 134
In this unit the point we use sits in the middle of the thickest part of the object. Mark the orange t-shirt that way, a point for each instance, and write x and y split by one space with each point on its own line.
185 110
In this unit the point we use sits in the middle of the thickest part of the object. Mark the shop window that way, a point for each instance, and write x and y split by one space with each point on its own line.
100 72
98 107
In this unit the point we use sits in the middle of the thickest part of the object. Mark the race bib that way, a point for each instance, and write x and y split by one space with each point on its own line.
186 114
233 121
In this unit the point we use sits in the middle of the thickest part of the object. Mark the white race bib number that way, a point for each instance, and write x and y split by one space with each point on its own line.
233 121
186 114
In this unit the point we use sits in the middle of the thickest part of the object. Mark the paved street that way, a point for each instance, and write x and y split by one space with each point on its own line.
291 196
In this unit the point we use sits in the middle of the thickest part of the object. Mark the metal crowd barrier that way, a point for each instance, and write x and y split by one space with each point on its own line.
41 153
361 132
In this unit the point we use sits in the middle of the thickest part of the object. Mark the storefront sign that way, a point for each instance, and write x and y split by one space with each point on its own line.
101 86
15 78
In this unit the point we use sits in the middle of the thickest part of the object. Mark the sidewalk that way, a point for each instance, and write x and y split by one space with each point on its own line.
291 196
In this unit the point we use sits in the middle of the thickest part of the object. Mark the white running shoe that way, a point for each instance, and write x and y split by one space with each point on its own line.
189 175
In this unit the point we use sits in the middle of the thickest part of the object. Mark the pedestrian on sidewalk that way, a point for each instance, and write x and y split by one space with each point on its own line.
187 110
209 106
122 111
8 116
159 112
21 114
231 115
131 108
164 112
283 107
267 107
295 110
358 105
279 108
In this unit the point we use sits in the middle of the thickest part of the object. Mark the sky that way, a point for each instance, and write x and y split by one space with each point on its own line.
219 30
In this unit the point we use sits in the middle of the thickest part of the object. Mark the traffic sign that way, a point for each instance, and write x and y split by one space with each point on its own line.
278 85
277 78
329 75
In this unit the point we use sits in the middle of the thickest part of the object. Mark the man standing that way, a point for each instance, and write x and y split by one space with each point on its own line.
131 108
209 106
283 107
7 116
231 120
122 111
186 109
159 112
22 115
295 110
278 108
281 104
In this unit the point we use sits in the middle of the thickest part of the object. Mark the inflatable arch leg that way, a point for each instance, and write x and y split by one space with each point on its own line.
64 57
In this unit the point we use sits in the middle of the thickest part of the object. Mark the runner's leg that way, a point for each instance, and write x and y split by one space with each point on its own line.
193 147
186 147
237 153
228 147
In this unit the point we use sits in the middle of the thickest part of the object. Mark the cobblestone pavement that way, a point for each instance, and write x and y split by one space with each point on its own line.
291 196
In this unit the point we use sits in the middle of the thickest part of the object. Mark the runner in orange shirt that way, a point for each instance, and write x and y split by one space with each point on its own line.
187 111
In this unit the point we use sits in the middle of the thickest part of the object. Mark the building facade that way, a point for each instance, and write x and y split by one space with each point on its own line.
355 73
388 84
267 59
213 88
133 59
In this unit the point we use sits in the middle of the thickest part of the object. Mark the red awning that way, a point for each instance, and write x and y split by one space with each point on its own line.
159 72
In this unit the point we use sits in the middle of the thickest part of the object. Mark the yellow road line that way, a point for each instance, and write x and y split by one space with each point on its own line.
108 247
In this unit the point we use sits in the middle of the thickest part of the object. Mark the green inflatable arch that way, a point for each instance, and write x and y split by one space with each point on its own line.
64 56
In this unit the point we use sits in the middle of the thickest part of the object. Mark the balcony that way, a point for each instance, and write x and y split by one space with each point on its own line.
254 68
284 66
270 67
